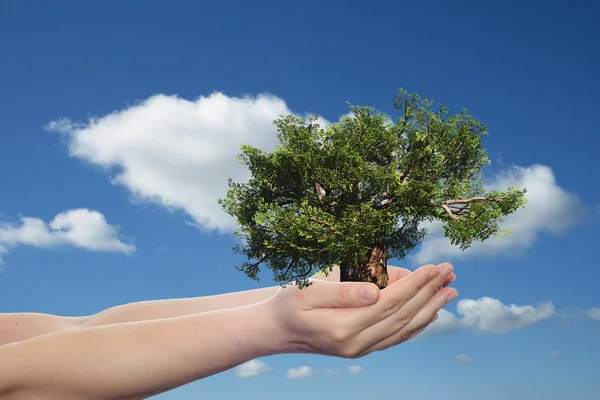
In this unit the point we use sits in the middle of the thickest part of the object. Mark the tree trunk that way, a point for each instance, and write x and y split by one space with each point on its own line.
375 270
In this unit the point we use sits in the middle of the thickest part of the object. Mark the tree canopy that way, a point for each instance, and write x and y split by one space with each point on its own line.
328 194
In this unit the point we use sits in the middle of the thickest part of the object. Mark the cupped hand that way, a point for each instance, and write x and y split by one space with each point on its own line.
353 319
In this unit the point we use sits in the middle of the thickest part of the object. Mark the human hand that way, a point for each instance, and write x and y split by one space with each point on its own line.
394 273
340 319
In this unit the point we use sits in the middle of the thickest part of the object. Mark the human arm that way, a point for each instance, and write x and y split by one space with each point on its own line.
136 360
22 326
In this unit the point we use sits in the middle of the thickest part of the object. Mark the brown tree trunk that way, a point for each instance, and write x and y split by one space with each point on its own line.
375 270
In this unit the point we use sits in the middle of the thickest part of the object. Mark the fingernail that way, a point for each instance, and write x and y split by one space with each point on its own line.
451 297
446 271
368 292
434 273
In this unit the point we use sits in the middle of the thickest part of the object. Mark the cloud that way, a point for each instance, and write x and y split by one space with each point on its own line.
332 372
179 154
593 313
301 372
462 358
550 209
555 354
175 152
355 370
252 368
487 315
80 228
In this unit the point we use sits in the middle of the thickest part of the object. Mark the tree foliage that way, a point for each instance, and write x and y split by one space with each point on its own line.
328 195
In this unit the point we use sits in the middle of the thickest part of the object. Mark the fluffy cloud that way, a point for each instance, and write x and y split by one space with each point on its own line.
252 368
179 154
462 358
594 313
549 209
301 372
355 370
175 152
81 228
487 315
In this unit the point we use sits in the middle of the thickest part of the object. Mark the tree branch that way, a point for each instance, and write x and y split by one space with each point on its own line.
389 201
324 223
460 206
263 259
451 214
467 201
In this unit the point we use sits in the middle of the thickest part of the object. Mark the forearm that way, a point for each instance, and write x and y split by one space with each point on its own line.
136 360
158 309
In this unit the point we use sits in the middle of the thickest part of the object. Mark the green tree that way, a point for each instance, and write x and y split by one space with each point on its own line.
356 192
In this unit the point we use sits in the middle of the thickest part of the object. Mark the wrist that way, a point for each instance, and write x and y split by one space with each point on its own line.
282 337
259 333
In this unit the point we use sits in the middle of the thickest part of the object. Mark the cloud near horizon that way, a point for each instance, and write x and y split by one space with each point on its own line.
593 313
488 315
252 369
79 228
179 154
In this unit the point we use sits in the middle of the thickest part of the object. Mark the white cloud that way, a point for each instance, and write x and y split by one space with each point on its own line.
355 370
549 209
332 372
487 315
555 354
81 228
301 372
179 153
462 358
594 313
252 368
175 152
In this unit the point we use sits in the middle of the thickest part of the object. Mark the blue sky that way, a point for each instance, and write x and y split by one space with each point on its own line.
120 123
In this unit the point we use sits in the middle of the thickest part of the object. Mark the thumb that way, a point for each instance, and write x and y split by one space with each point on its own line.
322 294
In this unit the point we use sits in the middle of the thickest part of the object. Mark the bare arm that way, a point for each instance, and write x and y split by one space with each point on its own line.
22 326
135 360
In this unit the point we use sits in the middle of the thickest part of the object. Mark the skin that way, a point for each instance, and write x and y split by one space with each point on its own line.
142 349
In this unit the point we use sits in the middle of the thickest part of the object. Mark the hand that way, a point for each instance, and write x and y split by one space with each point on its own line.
394 273
340 319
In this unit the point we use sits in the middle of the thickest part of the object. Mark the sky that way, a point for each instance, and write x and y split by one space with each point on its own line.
120 123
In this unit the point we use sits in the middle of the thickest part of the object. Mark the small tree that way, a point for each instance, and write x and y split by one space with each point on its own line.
356 192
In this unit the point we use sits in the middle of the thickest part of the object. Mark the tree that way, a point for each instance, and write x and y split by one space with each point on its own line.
356 192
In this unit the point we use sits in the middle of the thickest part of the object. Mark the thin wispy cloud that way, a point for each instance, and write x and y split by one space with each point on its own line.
462 359
252 368
301 372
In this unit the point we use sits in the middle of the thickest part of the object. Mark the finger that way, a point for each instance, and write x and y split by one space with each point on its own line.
323 294
418 324
415 304
451 278
417 333
392 311
397 273
389 341
397 294
428 311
